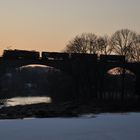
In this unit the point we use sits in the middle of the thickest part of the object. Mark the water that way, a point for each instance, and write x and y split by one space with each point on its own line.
27 100
102 127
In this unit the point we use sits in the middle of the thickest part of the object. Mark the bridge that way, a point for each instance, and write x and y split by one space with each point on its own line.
87 70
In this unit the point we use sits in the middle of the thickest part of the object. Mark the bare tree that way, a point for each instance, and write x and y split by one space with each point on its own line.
91 42
85 43
76 46
122 43
136 49
103 46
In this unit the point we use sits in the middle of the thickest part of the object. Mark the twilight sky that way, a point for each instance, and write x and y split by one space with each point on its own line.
48 25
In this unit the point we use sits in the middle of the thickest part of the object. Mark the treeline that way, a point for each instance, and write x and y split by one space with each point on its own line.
122 42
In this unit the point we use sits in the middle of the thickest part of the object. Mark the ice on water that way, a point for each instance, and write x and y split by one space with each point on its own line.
101 127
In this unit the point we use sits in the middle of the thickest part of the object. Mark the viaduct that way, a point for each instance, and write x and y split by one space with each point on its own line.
88 71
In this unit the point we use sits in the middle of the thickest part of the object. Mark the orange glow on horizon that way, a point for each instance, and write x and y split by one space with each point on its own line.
48 25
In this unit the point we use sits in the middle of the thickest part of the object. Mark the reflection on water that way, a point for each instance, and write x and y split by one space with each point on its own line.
27 100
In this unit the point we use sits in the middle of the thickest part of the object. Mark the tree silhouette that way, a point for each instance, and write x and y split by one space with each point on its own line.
122 43
85 43
136 49
103 45
89 43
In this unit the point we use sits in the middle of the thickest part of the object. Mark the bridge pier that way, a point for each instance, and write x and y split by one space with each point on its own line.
137 85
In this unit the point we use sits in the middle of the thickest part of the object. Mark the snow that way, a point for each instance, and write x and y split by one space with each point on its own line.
101 127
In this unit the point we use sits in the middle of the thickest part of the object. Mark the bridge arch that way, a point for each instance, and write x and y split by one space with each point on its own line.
118 82
50 82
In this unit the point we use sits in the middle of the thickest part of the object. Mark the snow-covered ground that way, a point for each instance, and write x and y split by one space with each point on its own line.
101 127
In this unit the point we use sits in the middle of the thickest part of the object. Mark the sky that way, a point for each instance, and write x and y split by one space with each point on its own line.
48 25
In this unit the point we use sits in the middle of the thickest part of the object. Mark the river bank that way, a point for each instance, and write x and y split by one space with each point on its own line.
67 109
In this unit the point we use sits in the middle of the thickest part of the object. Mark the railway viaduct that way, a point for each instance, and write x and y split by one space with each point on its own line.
88 71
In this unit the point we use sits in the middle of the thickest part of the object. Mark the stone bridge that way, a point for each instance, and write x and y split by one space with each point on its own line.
87 72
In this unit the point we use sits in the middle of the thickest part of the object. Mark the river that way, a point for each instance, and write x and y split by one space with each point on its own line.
97 127
27 100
